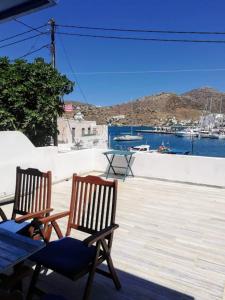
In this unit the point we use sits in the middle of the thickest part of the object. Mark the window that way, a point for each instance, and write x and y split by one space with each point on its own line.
73 135
83 131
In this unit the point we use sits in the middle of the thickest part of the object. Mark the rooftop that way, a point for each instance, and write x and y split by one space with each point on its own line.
170 244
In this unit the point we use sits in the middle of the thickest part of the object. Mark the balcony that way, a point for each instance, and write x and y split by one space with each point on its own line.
170 244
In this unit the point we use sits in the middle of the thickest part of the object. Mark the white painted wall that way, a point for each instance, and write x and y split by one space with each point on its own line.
17 150
191 169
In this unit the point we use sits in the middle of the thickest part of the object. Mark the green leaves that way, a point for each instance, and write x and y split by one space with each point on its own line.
30 98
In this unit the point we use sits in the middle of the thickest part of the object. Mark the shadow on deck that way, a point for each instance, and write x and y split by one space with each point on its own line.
133 288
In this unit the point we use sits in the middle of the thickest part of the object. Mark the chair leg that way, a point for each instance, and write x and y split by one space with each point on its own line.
110 265
33 282
91 275
112 270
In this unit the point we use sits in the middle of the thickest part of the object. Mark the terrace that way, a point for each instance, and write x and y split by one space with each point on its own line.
170 244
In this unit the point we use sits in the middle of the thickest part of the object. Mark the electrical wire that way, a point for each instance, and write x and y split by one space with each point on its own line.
142 30
20 41
27 25
148 71
142 39
34 51
19 34
72 70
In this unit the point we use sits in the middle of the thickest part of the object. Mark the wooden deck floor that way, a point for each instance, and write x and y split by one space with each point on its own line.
170 244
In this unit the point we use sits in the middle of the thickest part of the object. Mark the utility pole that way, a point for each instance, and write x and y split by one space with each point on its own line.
52 49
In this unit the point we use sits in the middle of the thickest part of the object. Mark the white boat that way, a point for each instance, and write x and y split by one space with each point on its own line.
128 137
213 135
187 133
222 136
141 148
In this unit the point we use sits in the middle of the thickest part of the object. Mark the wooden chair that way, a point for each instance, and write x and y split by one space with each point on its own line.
32 198
92 210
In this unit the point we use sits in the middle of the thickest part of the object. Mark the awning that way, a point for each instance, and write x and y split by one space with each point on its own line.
13 8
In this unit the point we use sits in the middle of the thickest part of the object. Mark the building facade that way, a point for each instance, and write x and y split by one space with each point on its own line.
78 133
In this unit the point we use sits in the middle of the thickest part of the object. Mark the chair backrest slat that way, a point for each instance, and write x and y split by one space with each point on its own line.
103 207
93 203
88 220
33 191
108 207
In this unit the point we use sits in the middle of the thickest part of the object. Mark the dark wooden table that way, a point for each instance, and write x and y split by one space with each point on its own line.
15 248
110 155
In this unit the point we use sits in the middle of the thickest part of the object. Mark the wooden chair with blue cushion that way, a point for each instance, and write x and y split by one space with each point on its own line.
32 199
92 210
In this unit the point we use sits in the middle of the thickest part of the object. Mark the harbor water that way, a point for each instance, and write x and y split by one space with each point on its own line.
196 146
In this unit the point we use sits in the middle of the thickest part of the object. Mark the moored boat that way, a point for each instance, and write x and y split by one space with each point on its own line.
187 133
128 137
222 136
167 150
141 148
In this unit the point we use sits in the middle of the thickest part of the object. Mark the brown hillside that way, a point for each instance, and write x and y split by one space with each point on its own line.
158 109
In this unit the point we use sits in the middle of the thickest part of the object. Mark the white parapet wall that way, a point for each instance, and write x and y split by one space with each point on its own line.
17 150
182 168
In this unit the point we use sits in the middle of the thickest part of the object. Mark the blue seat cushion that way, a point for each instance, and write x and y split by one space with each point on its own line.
13 226
67 256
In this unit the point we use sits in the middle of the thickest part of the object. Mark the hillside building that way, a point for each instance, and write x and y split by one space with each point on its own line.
77 133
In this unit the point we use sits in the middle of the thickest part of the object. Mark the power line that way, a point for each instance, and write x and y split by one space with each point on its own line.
34 51
148 71
20 41
72 70
143 39
28 26
19 34
143 30
34 44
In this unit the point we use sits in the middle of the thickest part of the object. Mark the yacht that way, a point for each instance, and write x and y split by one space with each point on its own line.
128 137
222 136
187 133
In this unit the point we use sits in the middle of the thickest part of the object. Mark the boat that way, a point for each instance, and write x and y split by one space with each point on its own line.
167 150
213 135
187 133
141 148
128 137
222 136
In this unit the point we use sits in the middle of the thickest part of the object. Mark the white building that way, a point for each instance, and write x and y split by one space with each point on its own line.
77 133
212 120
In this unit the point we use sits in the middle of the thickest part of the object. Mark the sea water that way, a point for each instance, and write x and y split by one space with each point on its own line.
196 146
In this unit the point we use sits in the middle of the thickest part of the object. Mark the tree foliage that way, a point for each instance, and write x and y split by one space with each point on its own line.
30 98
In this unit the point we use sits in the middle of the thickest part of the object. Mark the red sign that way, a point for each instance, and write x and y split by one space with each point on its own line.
68 107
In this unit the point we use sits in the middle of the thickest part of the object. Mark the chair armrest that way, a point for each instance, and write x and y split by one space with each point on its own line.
29 216
100 235
54 217
7 201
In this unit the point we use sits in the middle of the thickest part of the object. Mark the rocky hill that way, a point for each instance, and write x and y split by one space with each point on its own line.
158 109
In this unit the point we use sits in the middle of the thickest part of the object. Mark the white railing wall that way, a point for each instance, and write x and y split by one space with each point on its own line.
16 150
181 168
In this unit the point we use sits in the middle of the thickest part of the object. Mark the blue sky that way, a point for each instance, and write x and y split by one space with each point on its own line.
87 55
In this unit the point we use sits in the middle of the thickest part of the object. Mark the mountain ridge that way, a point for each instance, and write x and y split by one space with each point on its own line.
157 109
